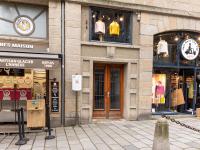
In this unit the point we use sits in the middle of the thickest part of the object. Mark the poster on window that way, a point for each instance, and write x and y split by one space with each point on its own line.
158 88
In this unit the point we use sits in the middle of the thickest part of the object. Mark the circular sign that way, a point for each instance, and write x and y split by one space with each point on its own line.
190 49
24 25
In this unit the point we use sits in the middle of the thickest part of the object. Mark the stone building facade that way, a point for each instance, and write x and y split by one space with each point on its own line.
82 53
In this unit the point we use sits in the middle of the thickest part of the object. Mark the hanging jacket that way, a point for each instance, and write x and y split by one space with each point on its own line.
100 27
162 47
114 28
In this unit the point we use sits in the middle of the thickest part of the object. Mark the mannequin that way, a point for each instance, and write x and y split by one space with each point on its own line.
100 28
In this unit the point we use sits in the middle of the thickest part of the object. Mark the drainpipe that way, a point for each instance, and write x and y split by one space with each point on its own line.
63 62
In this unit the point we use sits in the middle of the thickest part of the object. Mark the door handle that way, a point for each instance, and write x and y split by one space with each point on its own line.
108 94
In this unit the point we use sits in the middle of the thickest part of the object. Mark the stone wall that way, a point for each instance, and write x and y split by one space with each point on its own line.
169 7
72 55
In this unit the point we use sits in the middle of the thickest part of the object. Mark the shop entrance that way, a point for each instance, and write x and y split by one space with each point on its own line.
176 72
108 91
24 82
17 88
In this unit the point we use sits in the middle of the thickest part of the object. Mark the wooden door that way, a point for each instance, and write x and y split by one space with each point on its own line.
108 91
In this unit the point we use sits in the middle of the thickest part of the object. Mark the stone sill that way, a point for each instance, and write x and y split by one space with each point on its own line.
107 44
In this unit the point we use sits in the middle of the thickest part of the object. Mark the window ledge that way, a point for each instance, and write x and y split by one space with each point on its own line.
106 44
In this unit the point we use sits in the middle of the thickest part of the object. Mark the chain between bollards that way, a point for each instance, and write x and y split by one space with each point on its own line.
180 123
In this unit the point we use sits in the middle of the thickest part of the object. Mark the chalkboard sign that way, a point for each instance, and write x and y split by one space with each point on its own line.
54 97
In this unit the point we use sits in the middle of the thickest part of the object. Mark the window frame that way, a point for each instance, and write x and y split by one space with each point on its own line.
113 11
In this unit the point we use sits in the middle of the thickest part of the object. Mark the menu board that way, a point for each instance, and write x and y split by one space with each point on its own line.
54 96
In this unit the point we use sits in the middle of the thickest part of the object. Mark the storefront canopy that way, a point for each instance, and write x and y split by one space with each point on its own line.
29 60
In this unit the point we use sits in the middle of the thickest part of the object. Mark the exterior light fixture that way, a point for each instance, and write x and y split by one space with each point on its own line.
176 38
121 19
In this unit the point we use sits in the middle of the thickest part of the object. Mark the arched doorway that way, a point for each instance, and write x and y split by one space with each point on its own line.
176 72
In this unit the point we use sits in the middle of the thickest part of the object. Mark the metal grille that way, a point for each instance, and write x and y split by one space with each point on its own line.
99 89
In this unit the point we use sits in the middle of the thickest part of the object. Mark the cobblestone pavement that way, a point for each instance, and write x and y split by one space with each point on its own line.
116 135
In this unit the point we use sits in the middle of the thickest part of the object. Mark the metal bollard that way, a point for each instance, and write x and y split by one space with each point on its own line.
22 124
161 135
21 140
48 137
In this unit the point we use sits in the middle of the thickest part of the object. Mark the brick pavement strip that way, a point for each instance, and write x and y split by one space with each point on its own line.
110 135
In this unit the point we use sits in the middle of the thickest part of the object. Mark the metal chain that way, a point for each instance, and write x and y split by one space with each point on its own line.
181 124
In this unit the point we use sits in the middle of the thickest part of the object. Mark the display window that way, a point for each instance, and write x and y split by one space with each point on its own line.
176 72
110 25
17 89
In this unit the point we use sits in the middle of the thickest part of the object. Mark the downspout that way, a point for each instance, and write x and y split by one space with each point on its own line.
63 62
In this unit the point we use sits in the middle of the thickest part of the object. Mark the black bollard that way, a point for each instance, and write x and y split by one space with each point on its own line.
47 117
21 140
48 137
22 124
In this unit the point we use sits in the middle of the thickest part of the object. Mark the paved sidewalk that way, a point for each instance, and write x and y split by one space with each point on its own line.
116 135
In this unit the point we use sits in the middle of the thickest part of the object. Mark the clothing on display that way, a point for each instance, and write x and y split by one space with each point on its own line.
160 90
159 94
177 97
100 27
162 99
162 47
191 90
114 28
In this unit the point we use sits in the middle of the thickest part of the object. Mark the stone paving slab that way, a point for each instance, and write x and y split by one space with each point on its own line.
109 135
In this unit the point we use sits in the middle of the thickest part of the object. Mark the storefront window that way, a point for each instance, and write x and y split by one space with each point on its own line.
18 87
23 20
176 72
110 25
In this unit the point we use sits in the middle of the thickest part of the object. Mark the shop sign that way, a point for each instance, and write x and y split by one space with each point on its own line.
24 25
190 49
76 82
22 63
54 96
16 45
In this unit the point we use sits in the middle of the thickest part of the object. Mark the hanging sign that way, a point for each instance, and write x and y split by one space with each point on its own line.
76 82
190 49
54 96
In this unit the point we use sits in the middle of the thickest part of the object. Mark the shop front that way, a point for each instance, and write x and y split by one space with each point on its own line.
30 71
24 82
176 70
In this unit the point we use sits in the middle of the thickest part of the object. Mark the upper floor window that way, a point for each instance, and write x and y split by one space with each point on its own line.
110 25
23 20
